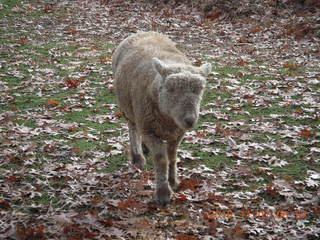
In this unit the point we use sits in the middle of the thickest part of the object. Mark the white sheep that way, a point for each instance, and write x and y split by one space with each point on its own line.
159 93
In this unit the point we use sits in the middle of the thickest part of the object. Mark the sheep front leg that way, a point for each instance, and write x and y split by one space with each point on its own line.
172 155
137 157
159 154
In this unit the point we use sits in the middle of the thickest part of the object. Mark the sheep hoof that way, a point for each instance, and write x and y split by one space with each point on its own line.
138 161
163 194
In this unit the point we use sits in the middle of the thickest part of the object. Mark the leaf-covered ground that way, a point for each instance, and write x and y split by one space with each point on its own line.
250 170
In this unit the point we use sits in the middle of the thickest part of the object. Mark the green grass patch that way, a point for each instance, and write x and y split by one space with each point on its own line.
106 46
26 102
13 81
264 111
114 163
215 161
225 70
250 77
210 95
84 144
8 5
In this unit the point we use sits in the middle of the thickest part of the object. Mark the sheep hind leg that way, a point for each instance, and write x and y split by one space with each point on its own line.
137 157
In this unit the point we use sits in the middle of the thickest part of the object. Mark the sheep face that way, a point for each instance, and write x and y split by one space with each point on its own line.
180 92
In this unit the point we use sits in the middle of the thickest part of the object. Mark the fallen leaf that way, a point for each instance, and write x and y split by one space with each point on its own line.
72 83
181 197
22 41
73 31
291 65
189 184
185 237
244 40
242 62
306 133
128 204
54 102
118 115
236 233
4 204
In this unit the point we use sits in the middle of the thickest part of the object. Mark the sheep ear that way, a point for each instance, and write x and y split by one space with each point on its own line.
160 67
205 69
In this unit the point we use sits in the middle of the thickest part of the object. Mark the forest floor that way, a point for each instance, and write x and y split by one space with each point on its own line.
250 170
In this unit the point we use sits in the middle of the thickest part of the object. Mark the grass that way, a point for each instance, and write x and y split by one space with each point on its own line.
8 5
116 163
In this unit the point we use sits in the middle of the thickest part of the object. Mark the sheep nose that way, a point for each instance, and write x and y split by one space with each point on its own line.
189 122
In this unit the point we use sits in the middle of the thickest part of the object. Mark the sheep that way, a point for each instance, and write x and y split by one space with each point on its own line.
159 93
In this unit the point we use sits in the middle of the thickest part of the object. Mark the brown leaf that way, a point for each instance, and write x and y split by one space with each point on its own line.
76 231
298 112
236 233
198 62
73 31
4 204
291 65
72 128
315 211
76 150
50 148
248 96
242 62
255 29
181 197
300 31
189 184
219 129
30 232
185 237
244 40
248 49
48 9
202 133
106 59
213 14
236 156
72 83
118 115
22 41
54 102
306 133
125 205
212 229
250 101
14 178
207 216
106 223
272 191
236 108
